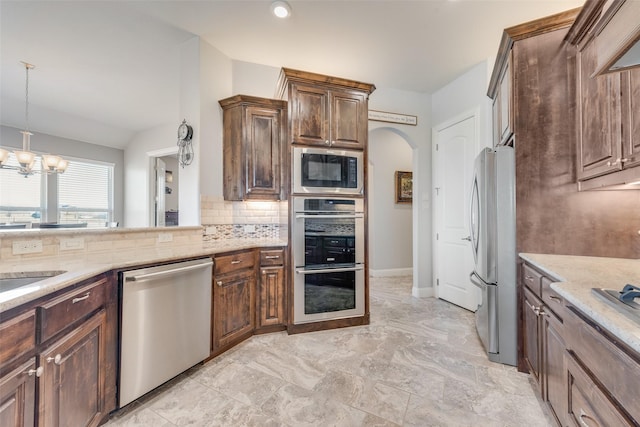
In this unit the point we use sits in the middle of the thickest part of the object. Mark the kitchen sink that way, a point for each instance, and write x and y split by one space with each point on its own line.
612 297
10 283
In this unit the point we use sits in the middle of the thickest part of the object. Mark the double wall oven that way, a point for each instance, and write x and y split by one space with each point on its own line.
328 257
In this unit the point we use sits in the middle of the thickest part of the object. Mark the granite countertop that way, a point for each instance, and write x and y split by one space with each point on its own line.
76 269
577 275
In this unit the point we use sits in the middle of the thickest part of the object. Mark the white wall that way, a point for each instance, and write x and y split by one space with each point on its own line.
419 138
138 168
43 143
464 94
254 79
390 223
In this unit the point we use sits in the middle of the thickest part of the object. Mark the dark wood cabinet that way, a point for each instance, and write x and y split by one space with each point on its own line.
325 111
502 106
65 374
72 387
608 152
543 342
271 301
254 164
17 396
531 331
233 305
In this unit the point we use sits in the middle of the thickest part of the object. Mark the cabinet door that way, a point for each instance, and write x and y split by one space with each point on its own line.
72 387
531 330
17 396
349 124
599 138
271 308
506 127
309 115
631 117
262 153
233 308
553 365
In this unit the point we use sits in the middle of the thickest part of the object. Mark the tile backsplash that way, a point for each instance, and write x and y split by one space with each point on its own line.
222 219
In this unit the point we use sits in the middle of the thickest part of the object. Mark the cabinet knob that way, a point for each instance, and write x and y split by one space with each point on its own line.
37 372
327 142
219 282
57 359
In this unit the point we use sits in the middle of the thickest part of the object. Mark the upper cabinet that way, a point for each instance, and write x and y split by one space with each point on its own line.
617 36
502 115
325 111
254 160
608 125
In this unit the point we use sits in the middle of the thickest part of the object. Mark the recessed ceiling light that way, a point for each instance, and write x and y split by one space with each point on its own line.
281 9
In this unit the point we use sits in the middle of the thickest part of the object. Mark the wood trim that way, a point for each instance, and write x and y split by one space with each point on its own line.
585 20
523 31
253 100
328 324
288 75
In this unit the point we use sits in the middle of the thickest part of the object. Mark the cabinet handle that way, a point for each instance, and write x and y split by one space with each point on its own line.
556 299
82 298
584 417
219 283
272 257
235 261
618 160
37 372
57 359
527 277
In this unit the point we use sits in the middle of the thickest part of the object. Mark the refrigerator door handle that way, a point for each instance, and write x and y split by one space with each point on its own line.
480 283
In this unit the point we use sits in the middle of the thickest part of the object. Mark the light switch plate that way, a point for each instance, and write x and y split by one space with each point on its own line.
210 229
27 247
72 244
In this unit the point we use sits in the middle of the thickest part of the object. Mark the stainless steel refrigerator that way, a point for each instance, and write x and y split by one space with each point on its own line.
493 241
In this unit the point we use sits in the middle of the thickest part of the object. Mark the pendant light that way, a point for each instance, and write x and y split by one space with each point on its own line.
25 157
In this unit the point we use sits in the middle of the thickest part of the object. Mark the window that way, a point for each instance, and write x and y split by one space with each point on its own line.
85 193
20 197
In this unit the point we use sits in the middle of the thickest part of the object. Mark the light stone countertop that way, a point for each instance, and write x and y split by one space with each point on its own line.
84 267
577 275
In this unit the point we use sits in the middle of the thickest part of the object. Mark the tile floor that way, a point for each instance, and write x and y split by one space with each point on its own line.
419 363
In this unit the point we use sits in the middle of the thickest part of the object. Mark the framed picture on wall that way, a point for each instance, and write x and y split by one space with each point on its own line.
404 187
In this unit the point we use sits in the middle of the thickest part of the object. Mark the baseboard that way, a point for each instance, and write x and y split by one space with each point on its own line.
391 272
422 292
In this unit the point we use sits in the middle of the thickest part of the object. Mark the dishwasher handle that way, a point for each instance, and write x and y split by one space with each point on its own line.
168 272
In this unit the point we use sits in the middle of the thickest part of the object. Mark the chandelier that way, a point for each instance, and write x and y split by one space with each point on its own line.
25 157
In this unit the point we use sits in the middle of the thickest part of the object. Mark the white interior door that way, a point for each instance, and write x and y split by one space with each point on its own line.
161 169
454 157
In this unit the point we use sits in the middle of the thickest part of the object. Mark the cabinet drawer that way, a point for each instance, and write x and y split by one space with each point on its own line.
587 403
71 307
272 257
616 369
17 336
551 298
239 261
531 278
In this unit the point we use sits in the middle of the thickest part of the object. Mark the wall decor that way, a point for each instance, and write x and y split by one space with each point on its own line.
384 116
404 186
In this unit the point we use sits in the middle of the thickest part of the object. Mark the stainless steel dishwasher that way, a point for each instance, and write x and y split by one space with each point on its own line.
166 324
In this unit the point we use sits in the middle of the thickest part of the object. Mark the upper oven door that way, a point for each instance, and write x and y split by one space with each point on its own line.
328 233
319 170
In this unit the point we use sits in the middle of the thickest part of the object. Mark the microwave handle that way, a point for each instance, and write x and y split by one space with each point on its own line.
329 270
350 216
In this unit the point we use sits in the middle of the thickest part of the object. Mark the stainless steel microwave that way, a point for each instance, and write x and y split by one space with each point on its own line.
327 171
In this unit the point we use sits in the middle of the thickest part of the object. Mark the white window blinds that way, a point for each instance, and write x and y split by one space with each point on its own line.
86 189
17 192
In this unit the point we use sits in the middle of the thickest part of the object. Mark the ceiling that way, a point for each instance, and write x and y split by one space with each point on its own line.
106 70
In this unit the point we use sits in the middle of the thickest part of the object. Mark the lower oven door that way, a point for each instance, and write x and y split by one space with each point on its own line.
326 294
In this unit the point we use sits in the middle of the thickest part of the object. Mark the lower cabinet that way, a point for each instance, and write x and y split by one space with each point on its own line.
17 396
67 376
271 303
233 305
585 375
72 386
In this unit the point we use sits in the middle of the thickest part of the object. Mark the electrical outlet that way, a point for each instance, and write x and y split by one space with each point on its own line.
27 247
250 228
72 244
211 229
165 237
